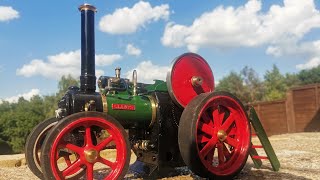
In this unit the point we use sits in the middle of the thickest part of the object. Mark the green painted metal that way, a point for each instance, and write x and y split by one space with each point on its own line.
257 162
255 122
157 86
140 117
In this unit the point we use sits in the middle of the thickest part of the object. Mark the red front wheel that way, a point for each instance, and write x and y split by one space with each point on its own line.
214 135
86 141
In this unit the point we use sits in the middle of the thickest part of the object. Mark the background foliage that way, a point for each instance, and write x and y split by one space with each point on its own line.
18 119
248 87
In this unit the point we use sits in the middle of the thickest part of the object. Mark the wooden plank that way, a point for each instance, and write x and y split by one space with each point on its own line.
293 114
290 113
272 114
318 99
305 106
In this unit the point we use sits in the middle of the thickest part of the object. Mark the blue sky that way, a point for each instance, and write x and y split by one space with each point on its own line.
40 40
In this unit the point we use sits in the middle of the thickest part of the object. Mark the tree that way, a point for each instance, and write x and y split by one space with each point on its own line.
18 119
64 83
245 85
253 84
275 84
309 76
292 80
234 84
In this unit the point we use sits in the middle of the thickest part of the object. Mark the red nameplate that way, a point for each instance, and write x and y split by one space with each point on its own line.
128 107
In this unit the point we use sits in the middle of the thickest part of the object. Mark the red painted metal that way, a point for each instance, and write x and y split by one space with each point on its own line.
129 107
257 146
179 79
81 163
260 157
223 157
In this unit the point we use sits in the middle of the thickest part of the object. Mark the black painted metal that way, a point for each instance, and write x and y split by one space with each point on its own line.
88 77
164 135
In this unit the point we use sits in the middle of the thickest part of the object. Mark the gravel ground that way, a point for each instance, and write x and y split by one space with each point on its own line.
299 156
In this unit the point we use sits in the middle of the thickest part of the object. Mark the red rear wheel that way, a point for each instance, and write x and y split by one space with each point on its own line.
85 138
220 135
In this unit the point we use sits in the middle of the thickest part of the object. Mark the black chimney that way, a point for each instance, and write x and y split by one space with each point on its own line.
87 77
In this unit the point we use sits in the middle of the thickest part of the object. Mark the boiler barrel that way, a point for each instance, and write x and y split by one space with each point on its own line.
131 112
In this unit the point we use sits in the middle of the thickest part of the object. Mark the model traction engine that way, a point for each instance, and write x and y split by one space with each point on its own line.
180 122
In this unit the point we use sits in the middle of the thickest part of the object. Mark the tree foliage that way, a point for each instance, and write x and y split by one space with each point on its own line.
309 76
275 84
233 83
18 119
64 83
246 85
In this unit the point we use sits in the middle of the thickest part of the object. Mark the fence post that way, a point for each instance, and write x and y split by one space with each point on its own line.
291 122
317 96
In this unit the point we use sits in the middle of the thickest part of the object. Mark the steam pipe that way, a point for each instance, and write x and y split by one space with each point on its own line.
87 77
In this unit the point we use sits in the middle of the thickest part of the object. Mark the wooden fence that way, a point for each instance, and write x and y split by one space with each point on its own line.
299 112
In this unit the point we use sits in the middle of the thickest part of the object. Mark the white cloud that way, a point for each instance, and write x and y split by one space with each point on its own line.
132 50
246 26
306 50
7 13
106 60
147 72
26 96
63 64
314 62
309 48
129 20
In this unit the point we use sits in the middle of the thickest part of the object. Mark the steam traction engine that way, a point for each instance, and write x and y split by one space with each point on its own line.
166 124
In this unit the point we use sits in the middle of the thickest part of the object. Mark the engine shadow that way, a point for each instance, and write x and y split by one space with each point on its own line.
249 172
314 124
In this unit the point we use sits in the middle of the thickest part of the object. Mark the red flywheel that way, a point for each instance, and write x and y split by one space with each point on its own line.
189 76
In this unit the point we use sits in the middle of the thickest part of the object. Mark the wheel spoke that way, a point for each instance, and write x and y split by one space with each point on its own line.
209 146
220 153
226 152
232 131
202 139
107 162
104 143
217 117
228 122
71 168
232 142
210 156
67 160
88 136
205 128
206 118
74 148
89 171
